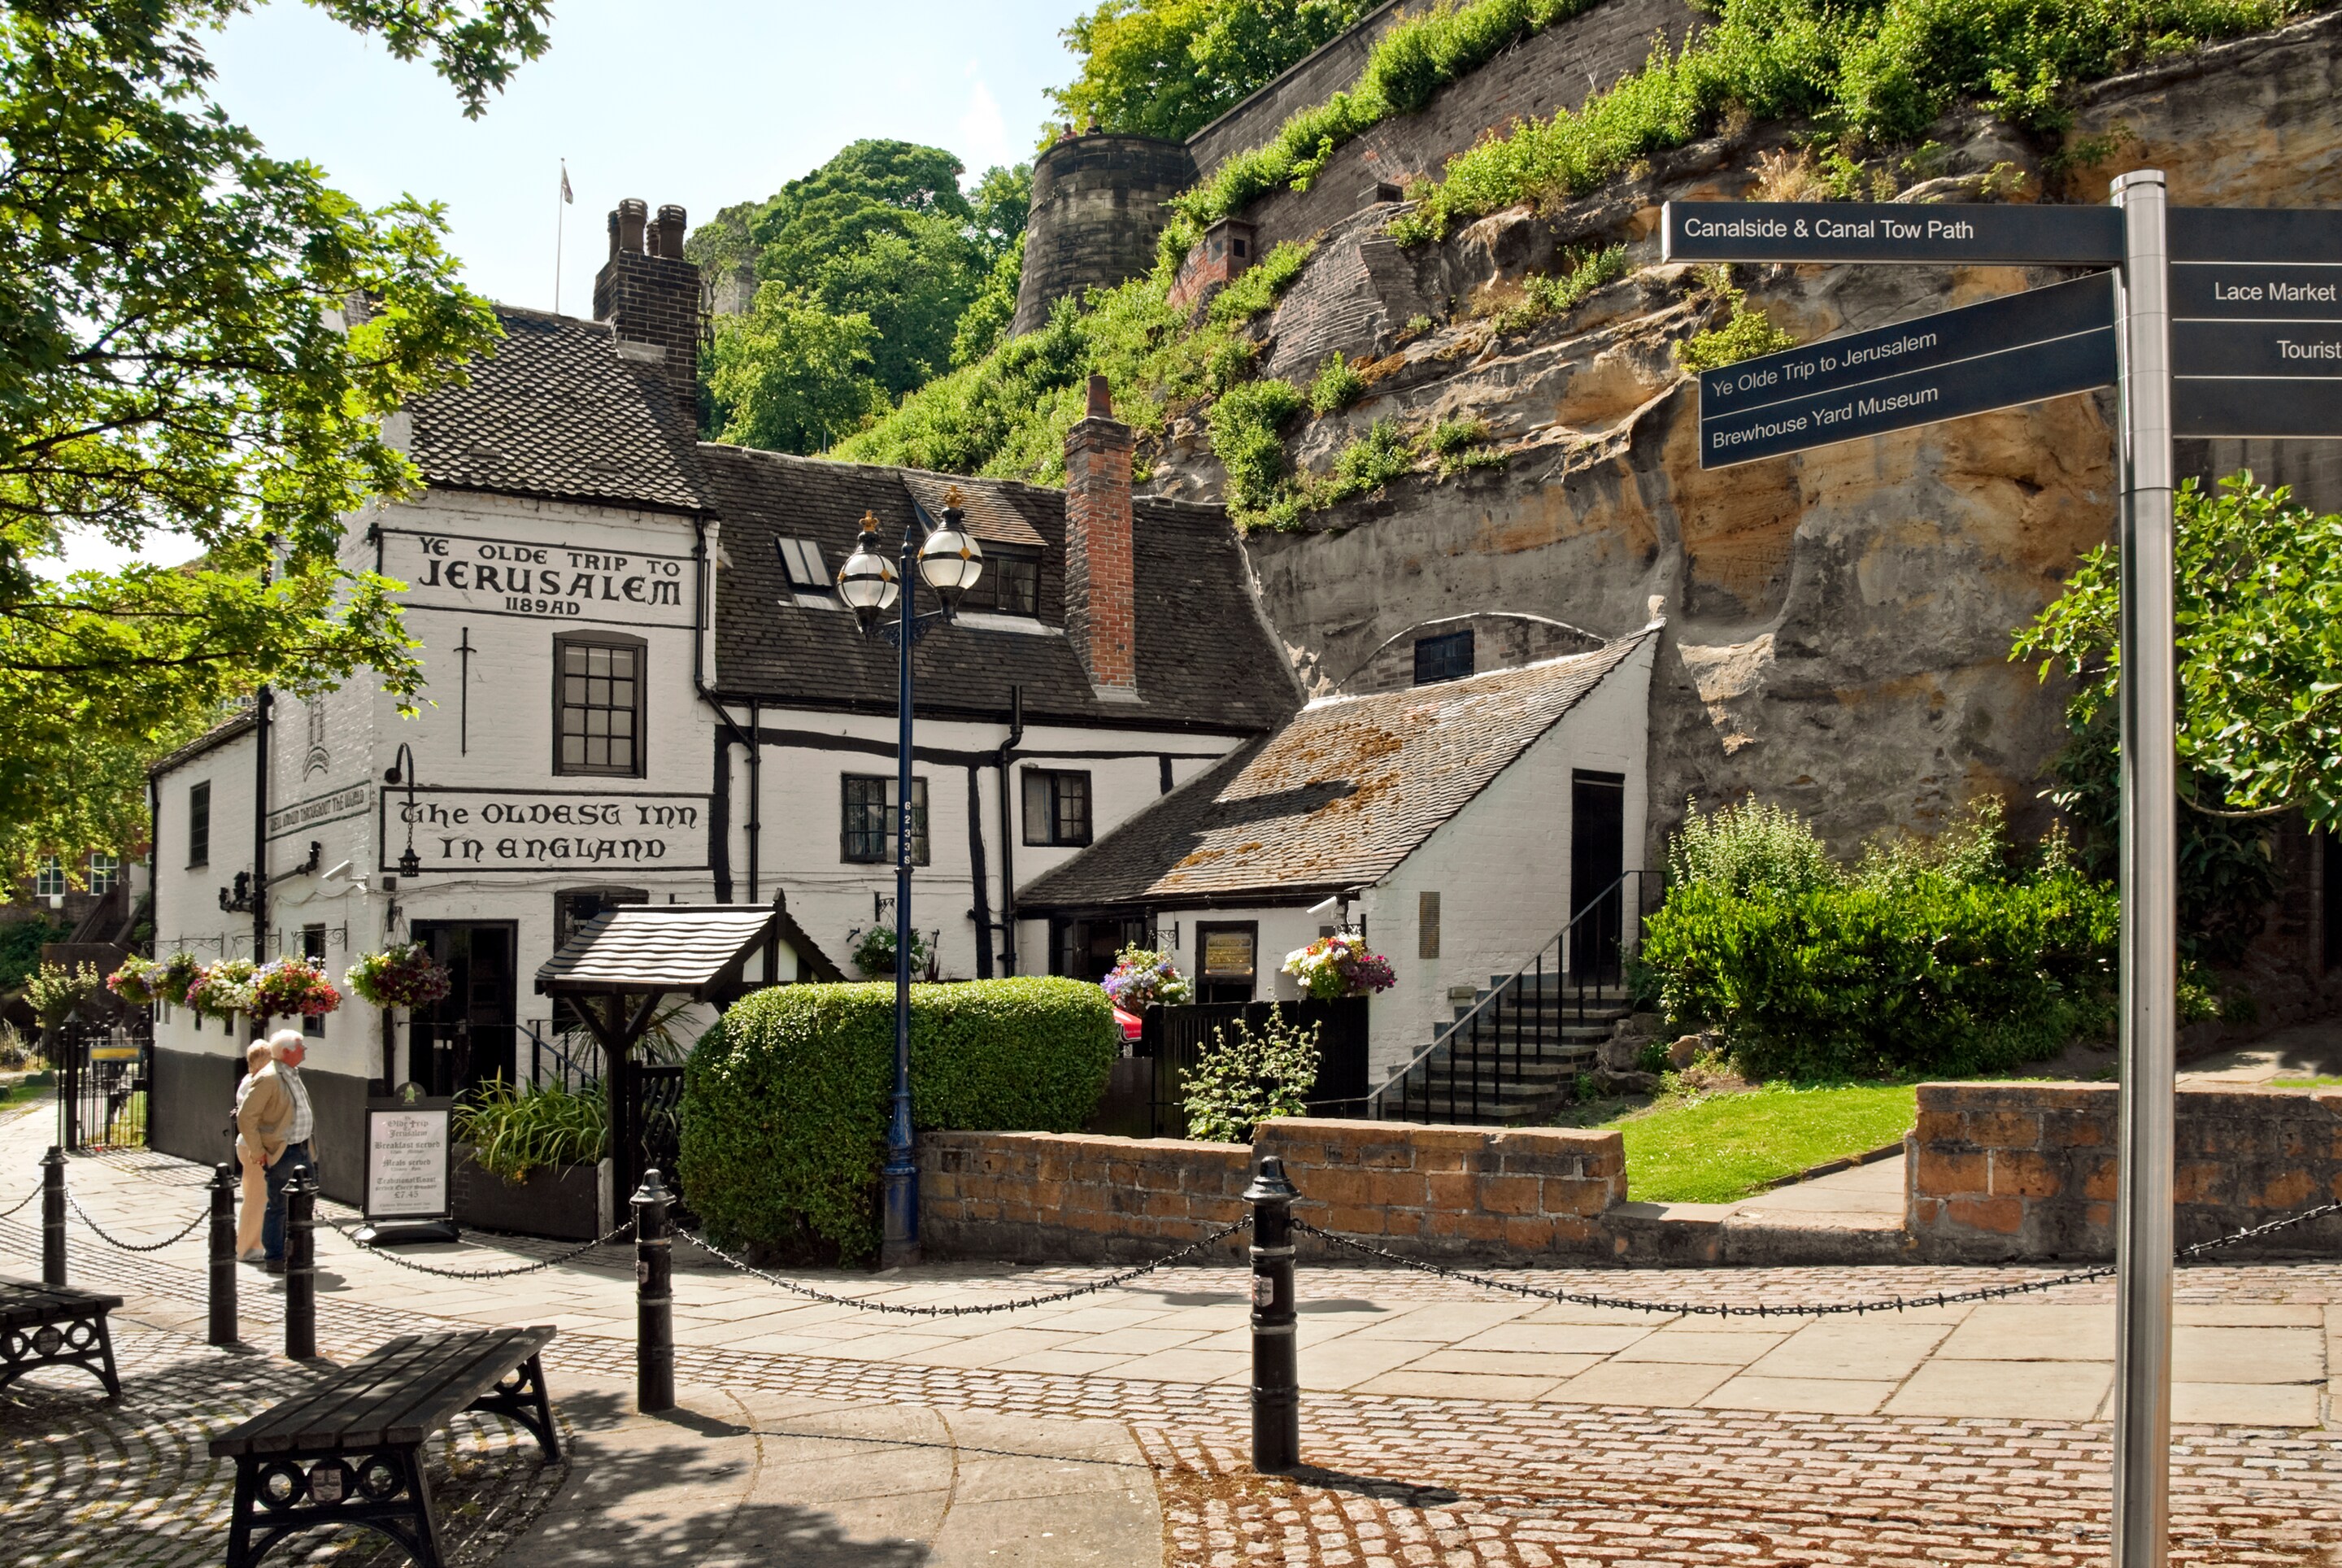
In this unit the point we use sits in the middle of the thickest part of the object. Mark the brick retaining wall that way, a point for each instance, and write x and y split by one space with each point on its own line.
2003 1170
1427 1191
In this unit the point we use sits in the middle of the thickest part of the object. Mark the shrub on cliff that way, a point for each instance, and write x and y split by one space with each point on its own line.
785 1101
1929 959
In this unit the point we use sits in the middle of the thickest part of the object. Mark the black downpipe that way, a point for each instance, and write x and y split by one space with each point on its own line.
756 794
719 808
262 702
1008 831
976 874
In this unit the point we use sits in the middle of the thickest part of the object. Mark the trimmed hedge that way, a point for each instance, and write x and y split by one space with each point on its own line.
785 1101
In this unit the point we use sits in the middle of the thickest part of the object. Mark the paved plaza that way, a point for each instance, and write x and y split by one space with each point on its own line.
1444 1422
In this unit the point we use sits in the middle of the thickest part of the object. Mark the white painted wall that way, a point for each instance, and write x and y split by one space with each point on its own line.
1501 866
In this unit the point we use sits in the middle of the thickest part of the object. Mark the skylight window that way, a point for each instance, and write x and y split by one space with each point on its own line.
801 559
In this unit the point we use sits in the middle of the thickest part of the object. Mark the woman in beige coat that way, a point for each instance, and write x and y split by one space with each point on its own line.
255 1168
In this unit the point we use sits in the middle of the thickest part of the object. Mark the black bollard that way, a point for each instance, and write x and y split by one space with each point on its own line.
53 1218
1275 1369
301 1268
223 1325
654 1299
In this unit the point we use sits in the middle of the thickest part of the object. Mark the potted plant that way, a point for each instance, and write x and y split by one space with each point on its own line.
1339 966
221 990
531 1162
293 987
403 976
1144 977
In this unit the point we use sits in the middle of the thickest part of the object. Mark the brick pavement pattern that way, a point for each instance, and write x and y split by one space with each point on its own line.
1407 1480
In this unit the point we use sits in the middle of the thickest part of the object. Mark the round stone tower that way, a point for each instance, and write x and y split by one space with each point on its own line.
1098 207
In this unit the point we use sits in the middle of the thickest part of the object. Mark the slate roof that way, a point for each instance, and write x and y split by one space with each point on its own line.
1333 800
1205 659
555 413
657 946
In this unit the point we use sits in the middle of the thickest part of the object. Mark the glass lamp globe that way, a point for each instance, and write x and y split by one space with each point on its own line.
951 560
866 582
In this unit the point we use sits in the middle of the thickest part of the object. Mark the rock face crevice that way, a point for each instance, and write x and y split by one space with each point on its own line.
1838 621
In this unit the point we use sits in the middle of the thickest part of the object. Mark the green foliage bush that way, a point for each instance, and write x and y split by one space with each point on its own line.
784 1102
1244 423
20 947
1243 1078
1339 384
515 1130
1919 959
1170 67
1747 333
1556 294
1871 75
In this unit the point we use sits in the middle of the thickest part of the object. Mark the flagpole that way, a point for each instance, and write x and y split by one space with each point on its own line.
561 201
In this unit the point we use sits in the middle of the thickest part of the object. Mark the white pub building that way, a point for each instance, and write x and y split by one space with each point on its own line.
643 688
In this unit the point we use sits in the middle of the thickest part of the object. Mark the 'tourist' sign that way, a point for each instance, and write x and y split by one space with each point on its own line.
538 579
474 830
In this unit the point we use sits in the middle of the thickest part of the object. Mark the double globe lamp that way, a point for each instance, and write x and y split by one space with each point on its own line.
950 562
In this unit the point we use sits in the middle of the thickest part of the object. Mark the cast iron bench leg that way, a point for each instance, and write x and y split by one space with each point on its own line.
105 1350
521 1396
427 1554
239 1529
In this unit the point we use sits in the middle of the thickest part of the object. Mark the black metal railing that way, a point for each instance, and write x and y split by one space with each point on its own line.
105 1067
573 1061
1521 1043
1145 1093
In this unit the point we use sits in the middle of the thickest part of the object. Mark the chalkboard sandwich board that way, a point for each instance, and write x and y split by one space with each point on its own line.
409 1169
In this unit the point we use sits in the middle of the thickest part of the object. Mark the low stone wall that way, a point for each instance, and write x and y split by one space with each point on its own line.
1425 1192
2005 1170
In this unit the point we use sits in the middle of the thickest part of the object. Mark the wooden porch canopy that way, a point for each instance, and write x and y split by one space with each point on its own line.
633 957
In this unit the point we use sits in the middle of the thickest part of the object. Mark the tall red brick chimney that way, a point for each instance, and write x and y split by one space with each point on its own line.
1101 592
651 295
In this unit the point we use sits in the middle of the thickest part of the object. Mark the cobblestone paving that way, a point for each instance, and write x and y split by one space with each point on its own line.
1420 1481
86 1481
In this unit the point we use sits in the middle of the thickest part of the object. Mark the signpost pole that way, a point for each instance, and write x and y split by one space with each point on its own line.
2143 1205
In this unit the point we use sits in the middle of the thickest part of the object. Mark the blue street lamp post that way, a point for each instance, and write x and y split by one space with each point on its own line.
950 561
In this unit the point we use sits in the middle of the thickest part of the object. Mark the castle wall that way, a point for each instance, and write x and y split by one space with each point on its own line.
1098 207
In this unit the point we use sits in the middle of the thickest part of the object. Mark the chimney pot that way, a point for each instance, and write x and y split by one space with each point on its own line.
1101 398
670 231
631 215
614 236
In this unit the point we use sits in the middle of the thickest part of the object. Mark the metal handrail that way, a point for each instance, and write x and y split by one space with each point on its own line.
568 1066
1493 1004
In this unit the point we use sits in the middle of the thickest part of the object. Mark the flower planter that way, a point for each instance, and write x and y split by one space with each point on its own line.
561 1203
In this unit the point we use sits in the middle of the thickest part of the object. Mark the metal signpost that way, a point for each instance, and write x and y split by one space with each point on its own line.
2215 322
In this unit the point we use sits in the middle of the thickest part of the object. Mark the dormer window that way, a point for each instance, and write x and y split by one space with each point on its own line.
801 560
1015 578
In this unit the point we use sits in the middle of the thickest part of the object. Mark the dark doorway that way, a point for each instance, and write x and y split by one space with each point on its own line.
465 1039
2331 865
1597 858
1085 948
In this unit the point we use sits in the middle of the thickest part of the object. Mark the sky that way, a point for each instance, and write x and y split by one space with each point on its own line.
701 103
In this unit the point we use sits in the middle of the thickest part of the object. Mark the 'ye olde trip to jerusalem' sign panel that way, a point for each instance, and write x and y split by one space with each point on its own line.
545 829
540 580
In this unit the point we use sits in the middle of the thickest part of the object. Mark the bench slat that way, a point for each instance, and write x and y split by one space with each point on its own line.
400 1394
25 1305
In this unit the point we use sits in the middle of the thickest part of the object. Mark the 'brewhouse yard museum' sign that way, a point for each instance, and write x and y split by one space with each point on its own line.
540 580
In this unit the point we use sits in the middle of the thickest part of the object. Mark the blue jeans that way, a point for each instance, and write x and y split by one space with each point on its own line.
272 1229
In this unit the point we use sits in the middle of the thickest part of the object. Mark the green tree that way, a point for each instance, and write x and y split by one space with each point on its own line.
2260 705
1169 67
184 351
792 376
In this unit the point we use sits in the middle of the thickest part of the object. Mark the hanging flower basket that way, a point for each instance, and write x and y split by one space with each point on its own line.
138 982
402 976
221 990
1338 966
874 952
1144 977
293 988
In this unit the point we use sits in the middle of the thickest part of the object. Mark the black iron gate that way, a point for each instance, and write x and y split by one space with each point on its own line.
105 1067
646 1134
1146 1096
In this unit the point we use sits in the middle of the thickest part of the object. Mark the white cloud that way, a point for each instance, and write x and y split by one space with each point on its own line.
983 134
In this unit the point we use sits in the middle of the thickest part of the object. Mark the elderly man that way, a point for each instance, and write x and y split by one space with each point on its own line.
276 1118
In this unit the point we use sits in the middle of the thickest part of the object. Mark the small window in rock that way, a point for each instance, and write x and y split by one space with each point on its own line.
1239 249
1448 658
801 559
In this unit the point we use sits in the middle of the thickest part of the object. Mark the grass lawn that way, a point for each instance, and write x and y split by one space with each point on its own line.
25 1089
2306 1083
1719 1147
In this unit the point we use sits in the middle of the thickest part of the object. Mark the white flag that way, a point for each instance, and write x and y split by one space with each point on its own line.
565 197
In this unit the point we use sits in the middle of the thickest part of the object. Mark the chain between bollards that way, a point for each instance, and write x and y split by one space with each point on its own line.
53 1218
1276 1367
654 1298
222 1257
301 1268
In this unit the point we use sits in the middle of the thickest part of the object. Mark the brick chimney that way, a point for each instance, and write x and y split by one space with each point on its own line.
1101 595
651 295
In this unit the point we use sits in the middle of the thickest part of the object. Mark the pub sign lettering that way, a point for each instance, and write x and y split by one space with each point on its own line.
539 579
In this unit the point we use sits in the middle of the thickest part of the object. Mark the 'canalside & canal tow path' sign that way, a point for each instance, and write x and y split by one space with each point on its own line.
2212 322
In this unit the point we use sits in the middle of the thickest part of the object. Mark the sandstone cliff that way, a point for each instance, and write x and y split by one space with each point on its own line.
1839 621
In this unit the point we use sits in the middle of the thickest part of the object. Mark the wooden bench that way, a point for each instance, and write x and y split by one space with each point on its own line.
43 1325
349 1450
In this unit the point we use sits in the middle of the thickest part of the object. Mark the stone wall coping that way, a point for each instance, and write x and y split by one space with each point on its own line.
1313 1129
2048 1094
